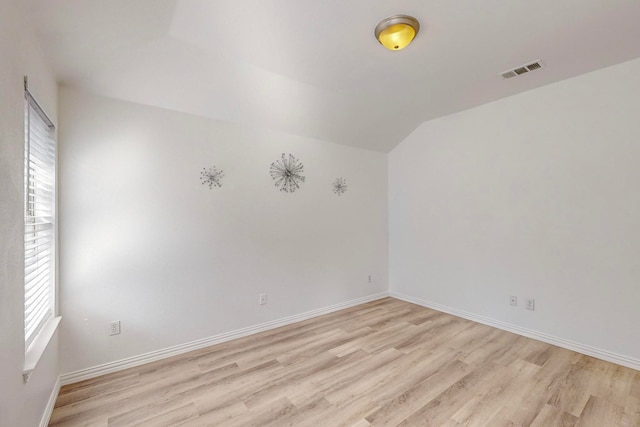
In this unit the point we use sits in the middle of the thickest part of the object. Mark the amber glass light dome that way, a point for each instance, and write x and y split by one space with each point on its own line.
396 32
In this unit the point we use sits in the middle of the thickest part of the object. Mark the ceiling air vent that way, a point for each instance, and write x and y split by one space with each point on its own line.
534 66
523 69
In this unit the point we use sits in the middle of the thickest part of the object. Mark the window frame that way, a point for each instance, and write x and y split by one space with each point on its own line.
40 232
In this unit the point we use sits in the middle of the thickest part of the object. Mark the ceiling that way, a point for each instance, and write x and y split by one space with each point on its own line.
313 68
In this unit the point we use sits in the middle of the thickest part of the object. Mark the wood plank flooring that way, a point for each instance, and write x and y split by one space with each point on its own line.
385 363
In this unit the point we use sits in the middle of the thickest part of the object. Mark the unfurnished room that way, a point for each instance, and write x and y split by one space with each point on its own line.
320 213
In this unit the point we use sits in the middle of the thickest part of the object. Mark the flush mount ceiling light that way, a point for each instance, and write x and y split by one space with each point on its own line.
396 32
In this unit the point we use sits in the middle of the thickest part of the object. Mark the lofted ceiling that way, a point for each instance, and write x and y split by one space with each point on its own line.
313 68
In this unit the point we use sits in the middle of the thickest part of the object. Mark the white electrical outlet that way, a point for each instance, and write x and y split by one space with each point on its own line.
513 300
262 300
114 327
531 304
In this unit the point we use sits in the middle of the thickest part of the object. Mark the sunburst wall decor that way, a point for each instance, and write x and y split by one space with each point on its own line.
340 186
212 177
287 173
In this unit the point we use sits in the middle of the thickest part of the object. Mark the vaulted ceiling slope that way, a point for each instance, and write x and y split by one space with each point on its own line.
313 68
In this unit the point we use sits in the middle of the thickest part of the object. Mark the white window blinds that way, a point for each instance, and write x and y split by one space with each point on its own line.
39 220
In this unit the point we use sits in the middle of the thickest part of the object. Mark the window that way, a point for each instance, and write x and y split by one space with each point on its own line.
39 220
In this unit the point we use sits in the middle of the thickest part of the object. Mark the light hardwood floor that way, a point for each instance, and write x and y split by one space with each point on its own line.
385 363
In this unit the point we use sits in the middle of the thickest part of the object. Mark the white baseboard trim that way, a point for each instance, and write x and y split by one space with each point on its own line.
48 410
153 356
550 339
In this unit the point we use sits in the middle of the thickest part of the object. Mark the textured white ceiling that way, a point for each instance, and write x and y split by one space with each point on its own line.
313 68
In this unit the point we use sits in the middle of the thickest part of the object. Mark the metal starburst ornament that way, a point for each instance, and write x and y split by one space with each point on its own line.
212 177
340 186
287 173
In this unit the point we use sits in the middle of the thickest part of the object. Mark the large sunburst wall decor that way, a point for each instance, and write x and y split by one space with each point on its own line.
340 186
212 177
287 173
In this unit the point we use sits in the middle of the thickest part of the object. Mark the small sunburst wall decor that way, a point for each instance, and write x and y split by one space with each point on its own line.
340 186
212 177
287 173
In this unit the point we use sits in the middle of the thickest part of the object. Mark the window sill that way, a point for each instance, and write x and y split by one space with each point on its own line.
38 346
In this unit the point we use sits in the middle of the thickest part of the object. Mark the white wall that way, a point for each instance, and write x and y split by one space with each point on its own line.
20 404
144 242
534 195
